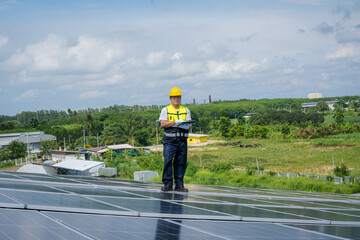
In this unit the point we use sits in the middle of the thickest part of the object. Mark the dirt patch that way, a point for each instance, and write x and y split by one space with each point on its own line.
240 145
11 169
321 170
202 149
331 147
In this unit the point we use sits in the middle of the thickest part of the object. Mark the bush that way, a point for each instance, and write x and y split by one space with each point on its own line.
220 167
7 164
150 161
341 171
127 169
256 131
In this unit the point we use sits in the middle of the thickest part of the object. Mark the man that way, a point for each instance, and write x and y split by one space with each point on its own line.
172 118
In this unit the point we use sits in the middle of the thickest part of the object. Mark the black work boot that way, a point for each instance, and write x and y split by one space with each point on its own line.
181 189
167 187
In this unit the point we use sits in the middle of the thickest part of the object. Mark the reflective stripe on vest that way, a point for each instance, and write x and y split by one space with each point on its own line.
173 115
179 134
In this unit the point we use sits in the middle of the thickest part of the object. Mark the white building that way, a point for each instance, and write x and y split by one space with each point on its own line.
313 104
31 139
62 155
314 95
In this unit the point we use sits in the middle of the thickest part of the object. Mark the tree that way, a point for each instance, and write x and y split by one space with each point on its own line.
236 131
34 122
223 113
203 124
257 131
224 126
89 123
48 145
322 107
341 171
16 149
142 137
315 117
4 154
339 117
240 119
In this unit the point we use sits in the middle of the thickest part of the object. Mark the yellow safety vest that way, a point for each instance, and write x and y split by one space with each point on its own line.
174 133
173 115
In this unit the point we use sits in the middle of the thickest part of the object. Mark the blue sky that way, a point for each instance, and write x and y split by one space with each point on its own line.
79 54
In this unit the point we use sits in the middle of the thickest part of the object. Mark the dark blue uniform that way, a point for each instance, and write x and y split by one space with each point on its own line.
175 154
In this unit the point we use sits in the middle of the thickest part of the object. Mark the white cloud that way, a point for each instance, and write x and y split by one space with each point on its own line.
288 70
156 58
180 69
112 80
177 56
56 54
217 51
3 41
92 94
226 68
29 95
348 50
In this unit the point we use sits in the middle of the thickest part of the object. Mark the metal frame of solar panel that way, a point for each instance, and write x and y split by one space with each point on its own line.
63 207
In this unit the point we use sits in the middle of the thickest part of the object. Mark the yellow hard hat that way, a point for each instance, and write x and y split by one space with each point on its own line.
175 92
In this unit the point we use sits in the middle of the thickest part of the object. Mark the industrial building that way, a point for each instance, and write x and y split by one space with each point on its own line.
31 139
313 104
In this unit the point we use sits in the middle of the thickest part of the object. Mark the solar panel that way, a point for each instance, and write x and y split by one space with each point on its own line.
27 186
8 202
20 224
154 207
98 191
319 214
63 202
101 208
350 232
300 203
118 227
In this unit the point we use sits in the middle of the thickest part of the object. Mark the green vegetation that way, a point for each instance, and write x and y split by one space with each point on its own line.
7 165
243 179
222 173
281 135
14 150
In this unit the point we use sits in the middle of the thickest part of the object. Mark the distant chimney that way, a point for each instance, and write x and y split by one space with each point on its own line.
194 103
210 99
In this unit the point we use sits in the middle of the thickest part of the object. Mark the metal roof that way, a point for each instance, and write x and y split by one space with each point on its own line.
120 146
25 137
78 165
313 104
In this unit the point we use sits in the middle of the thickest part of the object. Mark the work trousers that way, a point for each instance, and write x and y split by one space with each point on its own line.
175 155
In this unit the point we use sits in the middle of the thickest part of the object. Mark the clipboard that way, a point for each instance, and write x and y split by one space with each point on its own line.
188 122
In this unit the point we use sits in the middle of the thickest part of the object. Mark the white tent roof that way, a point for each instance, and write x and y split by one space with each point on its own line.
120 146
37 168
78 165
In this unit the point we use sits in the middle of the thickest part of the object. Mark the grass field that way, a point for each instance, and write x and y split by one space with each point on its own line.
288 155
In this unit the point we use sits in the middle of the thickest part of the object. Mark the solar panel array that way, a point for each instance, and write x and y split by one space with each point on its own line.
34 206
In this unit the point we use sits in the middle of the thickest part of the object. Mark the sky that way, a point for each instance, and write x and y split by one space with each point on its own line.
82 54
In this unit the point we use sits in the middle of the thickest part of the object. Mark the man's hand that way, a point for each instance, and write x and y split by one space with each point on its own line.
179 121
